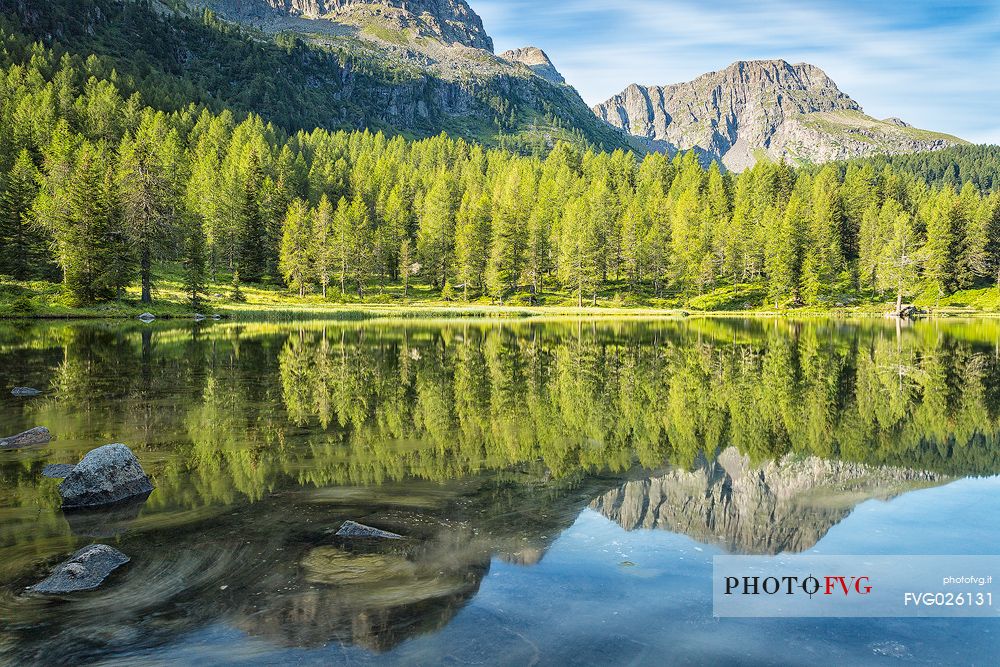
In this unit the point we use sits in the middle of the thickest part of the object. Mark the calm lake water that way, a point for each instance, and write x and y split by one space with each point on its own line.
562 487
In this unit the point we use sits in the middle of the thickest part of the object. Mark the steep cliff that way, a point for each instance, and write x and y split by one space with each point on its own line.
781 506
762 108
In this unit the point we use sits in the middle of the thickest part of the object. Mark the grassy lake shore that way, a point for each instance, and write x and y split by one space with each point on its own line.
47 300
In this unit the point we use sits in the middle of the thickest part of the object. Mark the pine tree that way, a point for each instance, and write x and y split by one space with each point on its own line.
824 259
507 245
472 241
252 229
784 255
359 251
296 246
939 251
898 268
579 266
405 265
92 250
871 239
340 242
195 275
22 246
435 237
322 247
149 196
237 294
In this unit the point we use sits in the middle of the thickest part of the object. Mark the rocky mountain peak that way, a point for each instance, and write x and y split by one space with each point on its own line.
450 21
536 60
785 111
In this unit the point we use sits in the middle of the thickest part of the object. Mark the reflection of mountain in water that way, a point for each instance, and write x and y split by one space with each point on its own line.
782 506
276 571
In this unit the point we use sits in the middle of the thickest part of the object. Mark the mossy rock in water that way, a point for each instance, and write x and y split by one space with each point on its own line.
383 581
329 565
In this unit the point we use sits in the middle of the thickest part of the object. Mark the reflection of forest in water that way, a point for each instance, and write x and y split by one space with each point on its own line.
478 440
235 410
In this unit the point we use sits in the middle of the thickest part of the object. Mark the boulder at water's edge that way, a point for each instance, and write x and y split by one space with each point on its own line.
106 475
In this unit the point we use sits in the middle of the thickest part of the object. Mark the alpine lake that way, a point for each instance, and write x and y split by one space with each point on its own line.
561 486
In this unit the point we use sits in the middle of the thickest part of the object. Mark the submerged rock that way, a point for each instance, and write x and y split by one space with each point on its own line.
354 529
36 436
106 475
84 571
58 470
24 392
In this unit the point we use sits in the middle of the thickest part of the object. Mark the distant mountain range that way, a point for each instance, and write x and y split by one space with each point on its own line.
762 108
420 67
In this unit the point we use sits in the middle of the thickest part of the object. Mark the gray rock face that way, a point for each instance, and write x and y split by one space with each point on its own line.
84 571
147 317
770 107
451 21
24 392
780 506
57 470
357 530
106 475
537 61
36 436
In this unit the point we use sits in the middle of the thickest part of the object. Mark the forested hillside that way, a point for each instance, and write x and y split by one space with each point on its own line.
979 165
98 190
176 55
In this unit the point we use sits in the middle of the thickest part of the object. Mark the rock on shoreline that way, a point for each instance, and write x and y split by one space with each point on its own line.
106 475
36 436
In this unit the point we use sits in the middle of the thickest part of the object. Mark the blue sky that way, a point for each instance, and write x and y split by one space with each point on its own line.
934 64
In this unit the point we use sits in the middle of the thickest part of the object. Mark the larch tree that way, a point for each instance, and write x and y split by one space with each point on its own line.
22 244
296 246
148 162
322 249
900 253
436 233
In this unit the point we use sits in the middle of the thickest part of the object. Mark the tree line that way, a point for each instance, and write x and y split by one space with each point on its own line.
98 190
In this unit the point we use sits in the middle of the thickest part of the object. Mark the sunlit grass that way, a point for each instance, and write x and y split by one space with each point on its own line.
614 299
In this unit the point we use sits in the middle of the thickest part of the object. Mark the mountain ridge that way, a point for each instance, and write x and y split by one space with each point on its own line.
537 61
440 67
755 108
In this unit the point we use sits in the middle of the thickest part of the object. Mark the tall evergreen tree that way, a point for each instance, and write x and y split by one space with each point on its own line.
296 247
147 165
322 246
195 269
436 234
22 245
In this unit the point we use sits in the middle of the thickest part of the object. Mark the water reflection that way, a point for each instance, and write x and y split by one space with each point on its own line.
477 441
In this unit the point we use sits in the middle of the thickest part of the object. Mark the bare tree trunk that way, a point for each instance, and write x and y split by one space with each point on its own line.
146 269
